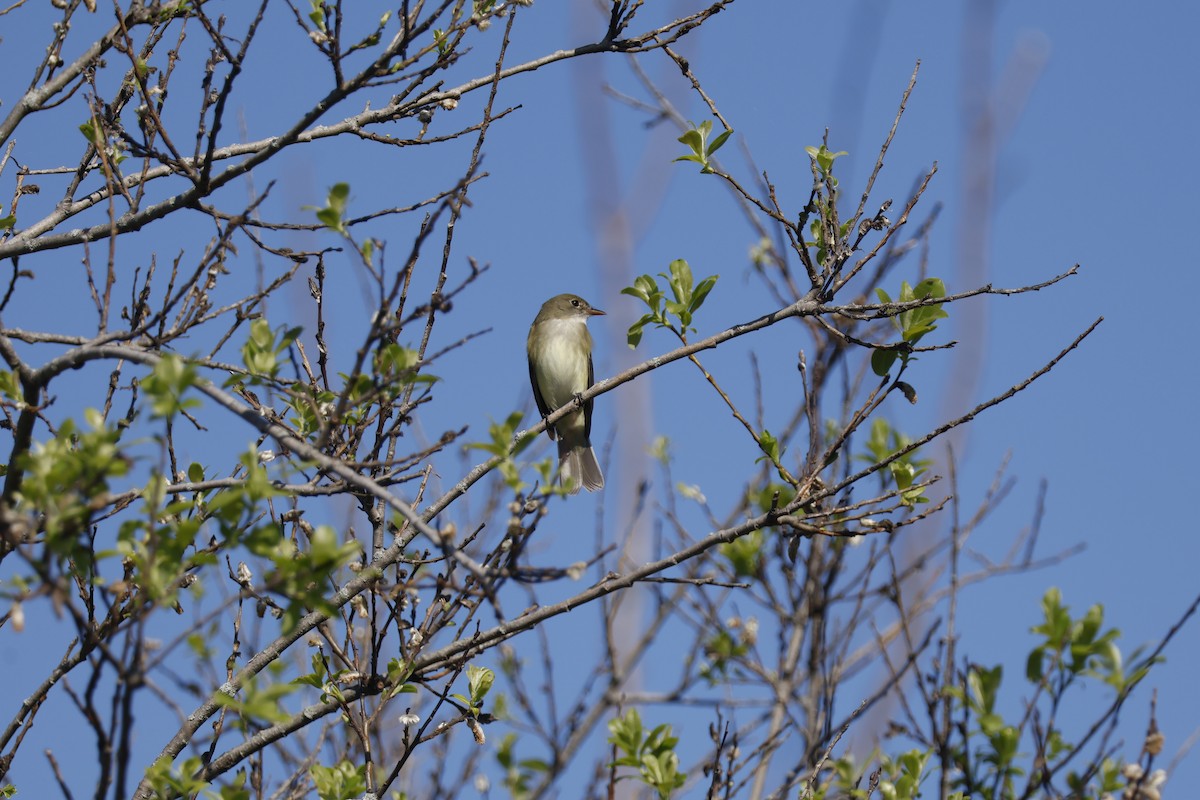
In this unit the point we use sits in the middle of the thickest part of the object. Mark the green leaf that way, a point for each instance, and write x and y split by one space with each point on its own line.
64 477
317 15
633 337
653 756
637 290
1033 665
342 781
90 132
824 158
744 554
687 298
332 216
264 346
505 444
165 386
397 366
696 139
702 289
169 782
479 680
882 361
717 142
258 701
626 732
680 280
769 445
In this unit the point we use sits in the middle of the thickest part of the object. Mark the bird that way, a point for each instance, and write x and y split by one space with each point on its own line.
559 349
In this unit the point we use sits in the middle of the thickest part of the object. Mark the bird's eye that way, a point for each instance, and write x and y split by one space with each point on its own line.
575 303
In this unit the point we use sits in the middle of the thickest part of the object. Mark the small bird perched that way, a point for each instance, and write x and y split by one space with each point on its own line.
560 367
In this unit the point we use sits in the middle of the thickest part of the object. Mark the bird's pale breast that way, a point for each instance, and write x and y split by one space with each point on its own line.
562 368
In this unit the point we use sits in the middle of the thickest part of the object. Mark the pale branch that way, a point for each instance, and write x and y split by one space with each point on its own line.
886 310
902 347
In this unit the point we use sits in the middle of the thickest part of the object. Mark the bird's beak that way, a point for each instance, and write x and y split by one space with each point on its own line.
595 312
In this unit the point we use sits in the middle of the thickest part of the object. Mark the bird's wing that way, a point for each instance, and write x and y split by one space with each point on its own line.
587 404
543 409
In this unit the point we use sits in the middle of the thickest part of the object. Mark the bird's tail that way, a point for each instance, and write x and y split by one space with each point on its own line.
577 466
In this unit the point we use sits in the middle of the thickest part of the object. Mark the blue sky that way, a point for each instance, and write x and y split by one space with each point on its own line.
1095 166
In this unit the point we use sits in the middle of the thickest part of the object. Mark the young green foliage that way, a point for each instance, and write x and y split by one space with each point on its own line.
1109 781
479 683
828 234
688 297
502 442
653 755
170 782
308 405
1071 650
172 376
374 37
1001 738
113 152
317 15
262 349
236 507
1074 648
900 778
159 543
342 781
770 447
696 138
518 773
721 652
398 672
911 324
333 215
63 478
822 158
258 701
301 576
442 40
744 554
883 442
397 366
